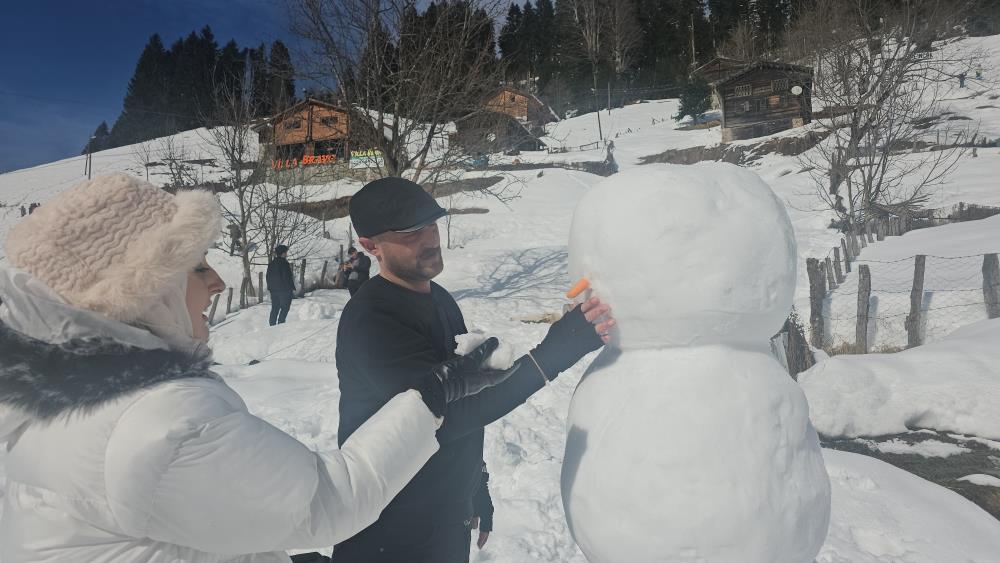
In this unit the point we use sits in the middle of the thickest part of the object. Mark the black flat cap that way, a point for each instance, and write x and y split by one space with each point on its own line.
392 204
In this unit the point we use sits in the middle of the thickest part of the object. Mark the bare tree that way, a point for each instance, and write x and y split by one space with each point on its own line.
882 88
590 22
144 154
406 76
175 156
624 36
741 44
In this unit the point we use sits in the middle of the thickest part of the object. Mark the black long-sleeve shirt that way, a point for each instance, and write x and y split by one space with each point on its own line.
279 275
389 337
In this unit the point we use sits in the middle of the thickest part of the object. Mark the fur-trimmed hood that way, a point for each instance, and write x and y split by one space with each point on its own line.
56 359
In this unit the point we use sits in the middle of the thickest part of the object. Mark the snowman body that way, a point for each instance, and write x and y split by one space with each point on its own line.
687 441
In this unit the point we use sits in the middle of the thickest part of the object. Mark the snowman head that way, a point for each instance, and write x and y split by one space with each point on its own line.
686 255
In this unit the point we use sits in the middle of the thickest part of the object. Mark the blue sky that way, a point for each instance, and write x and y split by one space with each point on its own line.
65 64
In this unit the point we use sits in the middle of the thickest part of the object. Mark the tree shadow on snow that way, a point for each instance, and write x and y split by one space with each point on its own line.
523 273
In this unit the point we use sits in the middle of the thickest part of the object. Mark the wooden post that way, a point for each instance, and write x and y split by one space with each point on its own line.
831 278
339 278
260 287
880 230
864 296
838 269
229 302
322 276
243 293
302 279
868 233
215 303
817 293
916 302
991 285
847 256
861 237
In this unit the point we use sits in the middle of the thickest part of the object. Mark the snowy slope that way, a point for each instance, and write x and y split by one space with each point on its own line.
509 265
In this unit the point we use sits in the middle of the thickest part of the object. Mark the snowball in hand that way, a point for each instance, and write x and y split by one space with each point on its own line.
686 255
502 358
689 442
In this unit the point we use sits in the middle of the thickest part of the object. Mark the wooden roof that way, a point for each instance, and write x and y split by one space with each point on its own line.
760 65
296 107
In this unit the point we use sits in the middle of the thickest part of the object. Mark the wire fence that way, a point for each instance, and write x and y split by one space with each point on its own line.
858 305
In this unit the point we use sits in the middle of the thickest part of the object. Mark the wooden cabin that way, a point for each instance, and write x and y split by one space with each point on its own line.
762 99
310 128
522 106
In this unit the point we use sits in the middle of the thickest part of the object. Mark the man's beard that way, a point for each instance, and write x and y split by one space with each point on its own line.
427 265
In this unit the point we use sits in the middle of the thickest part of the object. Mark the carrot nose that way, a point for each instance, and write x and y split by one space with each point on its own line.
578 288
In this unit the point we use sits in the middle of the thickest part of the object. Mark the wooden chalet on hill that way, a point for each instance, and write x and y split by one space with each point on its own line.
310 128
513 119
759 98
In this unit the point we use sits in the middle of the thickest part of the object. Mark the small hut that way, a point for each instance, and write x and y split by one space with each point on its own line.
763 98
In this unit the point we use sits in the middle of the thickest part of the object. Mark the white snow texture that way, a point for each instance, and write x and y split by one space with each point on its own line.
716 249
689 443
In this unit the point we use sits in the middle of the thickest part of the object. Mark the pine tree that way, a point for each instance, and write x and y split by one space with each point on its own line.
545 41
695 99
511 50
99 140
281 73
145 99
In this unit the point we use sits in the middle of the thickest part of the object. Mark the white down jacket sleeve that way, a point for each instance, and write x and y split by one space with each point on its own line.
187 464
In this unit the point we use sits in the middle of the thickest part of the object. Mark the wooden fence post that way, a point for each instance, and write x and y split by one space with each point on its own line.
864 297
229 302
260 287
215 303
861 237
847 256
338 280
243 293
916 302
817 293
302 279
838 269
880 230
991 285
831 277
322 276
868 233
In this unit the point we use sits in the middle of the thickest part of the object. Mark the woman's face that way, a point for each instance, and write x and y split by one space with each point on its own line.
203 283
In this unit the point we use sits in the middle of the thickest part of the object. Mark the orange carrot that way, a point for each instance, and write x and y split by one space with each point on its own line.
579 288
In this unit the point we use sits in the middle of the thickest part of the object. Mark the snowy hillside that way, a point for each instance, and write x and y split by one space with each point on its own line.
510 265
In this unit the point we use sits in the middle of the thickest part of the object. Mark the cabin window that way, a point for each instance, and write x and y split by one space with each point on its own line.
779 85
329 121
743 90
745 107
513 99
293 124
759 105
774 102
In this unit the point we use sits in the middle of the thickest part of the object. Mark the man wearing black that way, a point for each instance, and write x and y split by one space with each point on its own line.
281 284
398 324
358 270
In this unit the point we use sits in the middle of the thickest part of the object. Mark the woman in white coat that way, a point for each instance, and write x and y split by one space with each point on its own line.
122 445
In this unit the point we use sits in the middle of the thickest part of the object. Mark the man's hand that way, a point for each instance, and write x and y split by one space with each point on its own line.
483 536
593 311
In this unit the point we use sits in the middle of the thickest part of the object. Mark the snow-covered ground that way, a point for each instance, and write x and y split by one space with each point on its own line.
510 265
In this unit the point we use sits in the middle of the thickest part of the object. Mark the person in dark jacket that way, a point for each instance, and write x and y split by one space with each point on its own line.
358 270
399 322
281 284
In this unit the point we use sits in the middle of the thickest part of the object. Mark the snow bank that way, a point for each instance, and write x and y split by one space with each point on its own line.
951 385
981 480
881 513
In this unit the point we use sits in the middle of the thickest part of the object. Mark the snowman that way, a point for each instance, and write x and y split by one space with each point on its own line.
687 441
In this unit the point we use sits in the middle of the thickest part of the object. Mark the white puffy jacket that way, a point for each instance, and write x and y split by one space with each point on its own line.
173 470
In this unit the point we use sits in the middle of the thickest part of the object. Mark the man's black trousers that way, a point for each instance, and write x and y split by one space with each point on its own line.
281 303
407 540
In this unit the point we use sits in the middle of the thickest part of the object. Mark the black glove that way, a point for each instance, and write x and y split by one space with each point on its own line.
569 339
461 377
482 504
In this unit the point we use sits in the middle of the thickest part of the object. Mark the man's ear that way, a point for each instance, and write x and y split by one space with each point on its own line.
369 245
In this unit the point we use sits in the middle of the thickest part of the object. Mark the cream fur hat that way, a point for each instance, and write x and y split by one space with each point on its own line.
116 245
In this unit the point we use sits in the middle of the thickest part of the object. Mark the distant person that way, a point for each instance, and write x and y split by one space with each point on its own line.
23 211
235 233
961 80
358 270
32 207
281 284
